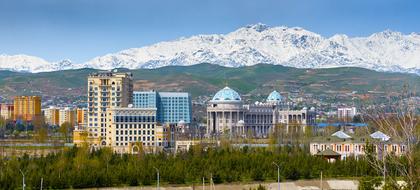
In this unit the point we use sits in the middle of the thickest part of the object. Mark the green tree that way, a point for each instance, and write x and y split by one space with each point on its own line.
65 130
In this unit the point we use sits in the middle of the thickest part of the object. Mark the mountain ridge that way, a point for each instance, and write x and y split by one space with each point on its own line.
387 51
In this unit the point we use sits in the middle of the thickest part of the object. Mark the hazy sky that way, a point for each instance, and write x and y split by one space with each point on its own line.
82 29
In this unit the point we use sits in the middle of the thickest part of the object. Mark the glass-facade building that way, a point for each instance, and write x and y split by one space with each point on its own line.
172 107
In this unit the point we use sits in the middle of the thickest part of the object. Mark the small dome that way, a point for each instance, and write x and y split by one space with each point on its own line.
274 96
226 94
181 123
241 123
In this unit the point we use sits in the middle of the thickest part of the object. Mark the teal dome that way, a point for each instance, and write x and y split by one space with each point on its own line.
226 94
274 96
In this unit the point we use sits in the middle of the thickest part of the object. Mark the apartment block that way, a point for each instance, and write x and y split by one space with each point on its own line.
26 108
106 90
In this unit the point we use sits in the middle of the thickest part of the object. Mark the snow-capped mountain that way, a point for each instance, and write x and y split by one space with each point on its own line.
295 47
25 63
259 43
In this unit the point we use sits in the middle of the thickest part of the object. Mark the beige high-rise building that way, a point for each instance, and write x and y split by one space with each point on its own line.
27 108
67 115
51 115
106 90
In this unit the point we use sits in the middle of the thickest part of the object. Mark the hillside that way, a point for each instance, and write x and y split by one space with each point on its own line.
206 79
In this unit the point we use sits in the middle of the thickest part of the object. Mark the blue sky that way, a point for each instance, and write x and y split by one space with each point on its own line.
82 29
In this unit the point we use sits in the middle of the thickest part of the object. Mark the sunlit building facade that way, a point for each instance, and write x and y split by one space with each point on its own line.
227 114
106 90
26 108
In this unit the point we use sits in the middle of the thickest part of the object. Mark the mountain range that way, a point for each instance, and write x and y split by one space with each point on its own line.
386 51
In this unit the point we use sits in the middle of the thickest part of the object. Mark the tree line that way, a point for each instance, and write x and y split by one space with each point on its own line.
82 167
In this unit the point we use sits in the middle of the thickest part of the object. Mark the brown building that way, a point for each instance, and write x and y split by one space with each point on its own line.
27 108
81 116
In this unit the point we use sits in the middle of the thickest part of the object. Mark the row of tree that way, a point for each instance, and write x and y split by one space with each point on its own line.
79 167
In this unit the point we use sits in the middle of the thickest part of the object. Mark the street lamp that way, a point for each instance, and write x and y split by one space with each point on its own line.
23 179
278 175
157 170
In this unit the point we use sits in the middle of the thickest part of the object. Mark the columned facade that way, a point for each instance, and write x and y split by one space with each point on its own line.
227 115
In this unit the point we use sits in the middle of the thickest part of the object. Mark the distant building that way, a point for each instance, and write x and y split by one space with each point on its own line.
346 113
354 146
6 111
52 116
106 90
132 129
81 116
26 108
227 114
67 115
172 107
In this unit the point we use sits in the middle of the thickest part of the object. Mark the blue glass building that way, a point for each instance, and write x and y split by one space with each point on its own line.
172 107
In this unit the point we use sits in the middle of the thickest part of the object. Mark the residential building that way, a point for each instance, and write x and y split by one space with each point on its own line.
67 115
6 111
227 114
131 130
52 116
106 90
26 108
172 107
81 116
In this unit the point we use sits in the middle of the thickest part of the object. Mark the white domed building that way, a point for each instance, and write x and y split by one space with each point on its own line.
224 111
227 114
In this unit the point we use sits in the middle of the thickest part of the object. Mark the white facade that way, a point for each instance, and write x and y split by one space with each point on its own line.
226 114
67 115
346 112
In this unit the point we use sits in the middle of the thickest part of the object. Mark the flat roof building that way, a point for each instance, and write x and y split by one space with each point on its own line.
172 107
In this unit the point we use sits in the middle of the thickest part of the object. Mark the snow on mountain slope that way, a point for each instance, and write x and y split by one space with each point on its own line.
259 43
25 63
295 47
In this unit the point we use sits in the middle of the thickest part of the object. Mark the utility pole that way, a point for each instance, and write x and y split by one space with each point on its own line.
42 180
278 175
321 181
203 183
23 179
157 170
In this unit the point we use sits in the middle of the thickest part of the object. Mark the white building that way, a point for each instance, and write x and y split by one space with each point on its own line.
346 112
227 114
354 146
67 115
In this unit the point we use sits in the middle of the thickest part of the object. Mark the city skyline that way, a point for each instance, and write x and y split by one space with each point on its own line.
80 30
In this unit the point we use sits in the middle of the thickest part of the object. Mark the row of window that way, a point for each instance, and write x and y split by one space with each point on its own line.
134 119
135 126
131 132
131 139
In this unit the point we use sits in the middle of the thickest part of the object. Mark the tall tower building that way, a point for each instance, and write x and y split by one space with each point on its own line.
106 90
27 108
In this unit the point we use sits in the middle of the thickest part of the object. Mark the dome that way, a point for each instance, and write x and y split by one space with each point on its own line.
226 94
274 96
